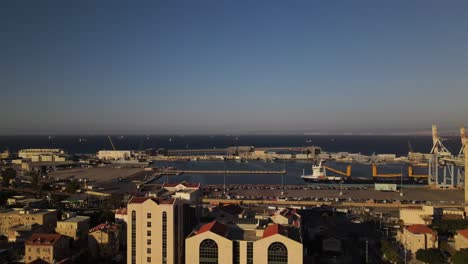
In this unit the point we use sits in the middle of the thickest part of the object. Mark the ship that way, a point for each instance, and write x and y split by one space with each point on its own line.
319 175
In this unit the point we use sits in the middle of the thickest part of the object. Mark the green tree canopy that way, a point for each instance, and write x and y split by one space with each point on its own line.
389 252
461 257
431 256
7 175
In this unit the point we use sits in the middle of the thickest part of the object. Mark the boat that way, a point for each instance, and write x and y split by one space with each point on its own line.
319 175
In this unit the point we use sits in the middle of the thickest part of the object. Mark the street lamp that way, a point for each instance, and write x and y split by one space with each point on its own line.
401 181
341 186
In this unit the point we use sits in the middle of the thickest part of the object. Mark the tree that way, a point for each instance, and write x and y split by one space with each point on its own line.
431 256
388 252
72 186
7 175
34 180
461 257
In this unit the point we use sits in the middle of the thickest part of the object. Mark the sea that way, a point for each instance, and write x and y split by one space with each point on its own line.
366 145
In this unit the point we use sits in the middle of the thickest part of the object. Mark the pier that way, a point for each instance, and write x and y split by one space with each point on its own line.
178 172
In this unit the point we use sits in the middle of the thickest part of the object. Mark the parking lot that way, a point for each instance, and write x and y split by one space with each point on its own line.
411 195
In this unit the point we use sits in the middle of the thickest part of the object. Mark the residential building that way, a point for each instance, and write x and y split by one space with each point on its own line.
461 239
184 190
229 212
122 220
415 237
155 230
48 247
104 240
286 216
46 218
419 215
19 233
75 227
243 244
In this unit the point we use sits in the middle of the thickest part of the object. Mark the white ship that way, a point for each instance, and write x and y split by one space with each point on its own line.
319 174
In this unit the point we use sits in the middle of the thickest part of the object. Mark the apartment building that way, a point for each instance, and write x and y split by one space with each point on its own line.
75 227
415 237
155 230
47 247
9 218
104 240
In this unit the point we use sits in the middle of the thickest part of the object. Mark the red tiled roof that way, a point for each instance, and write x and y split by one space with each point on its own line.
121 211
275 229
43 239
419 229
184 183
105 227
463 232
214 227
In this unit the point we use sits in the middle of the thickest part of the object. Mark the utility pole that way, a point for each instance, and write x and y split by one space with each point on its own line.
282 175
224 183
401 181
341 186
367 251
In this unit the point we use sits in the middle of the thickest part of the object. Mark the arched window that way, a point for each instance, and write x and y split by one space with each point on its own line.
208 252
277 253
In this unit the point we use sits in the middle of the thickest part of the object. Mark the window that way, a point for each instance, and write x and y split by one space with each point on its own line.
148 250
249 252
148 215
148 242
277 253
208 252
164 238
148 233
133 237
235 252
148 224
148 259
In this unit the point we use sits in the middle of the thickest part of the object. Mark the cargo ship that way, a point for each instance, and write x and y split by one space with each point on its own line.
319 175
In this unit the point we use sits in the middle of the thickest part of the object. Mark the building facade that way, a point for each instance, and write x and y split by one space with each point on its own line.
27 217
48 247
219 243
75 227
104 240
155 230
461 239
415 237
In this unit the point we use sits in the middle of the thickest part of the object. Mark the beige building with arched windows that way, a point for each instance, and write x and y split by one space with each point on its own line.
244 244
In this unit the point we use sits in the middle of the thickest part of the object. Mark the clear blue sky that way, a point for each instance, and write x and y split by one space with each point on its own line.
214 66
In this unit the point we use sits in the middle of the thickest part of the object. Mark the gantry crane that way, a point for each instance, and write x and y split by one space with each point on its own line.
347 173
386 175
412 175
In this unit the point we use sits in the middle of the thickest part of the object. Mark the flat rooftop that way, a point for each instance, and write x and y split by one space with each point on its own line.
78 218
21 211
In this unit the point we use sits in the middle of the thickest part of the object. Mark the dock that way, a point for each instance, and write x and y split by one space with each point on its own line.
178 172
